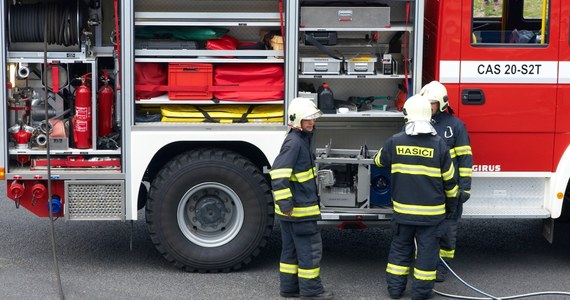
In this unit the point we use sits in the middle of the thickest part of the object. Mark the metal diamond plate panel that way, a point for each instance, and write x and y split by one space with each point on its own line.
100 200
511 193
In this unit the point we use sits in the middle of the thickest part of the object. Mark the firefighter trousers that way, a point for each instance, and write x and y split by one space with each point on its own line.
401 256
448 240
301 253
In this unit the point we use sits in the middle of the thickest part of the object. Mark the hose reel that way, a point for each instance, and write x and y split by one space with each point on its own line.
64 21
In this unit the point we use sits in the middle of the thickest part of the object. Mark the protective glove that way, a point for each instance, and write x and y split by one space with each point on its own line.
463 196
450 207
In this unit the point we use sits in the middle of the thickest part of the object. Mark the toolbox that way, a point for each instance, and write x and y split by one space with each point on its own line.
361 64
323 37
189 81
324 17
320 65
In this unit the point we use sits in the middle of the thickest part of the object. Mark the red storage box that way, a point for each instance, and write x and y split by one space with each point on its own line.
189 81
249 82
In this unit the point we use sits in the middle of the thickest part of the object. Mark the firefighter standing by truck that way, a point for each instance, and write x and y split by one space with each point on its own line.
453 131
424 192
293 179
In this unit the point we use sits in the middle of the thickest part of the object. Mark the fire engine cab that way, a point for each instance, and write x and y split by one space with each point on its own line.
179 107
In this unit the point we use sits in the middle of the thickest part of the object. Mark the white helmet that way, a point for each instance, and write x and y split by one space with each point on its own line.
302 109
436 92
417 114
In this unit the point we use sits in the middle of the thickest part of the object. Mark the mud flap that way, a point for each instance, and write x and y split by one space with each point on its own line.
548 229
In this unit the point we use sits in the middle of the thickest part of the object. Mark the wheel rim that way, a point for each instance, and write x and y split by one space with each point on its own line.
210 214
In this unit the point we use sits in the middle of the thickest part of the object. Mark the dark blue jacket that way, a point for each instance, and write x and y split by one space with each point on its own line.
293 179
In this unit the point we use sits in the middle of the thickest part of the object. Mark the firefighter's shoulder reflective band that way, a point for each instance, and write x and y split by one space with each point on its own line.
397 270
416 170
309 273
280 173
288 268
424 275
420 210
377 158
462 150
299 212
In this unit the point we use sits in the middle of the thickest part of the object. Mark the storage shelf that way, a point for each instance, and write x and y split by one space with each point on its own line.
208 60
394 27
164 126
240 19
345 76
163 99
13 151
366 114
16 58
345 43
61 174
208 53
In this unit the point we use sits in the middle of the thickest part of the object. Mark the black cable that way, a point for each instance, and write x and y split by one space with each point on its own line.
491 297
49 189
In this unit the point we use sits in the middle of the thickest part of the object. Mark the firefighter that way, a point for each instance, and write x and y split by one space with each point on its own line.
453 131
293 179
424 193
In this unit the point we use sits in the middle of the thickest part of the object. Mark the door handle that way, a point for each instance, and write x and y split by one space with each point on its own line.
472 97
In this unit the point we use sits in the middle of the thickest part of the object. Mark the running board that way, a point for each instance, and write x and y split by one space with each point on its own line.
356 214
505 213
378 214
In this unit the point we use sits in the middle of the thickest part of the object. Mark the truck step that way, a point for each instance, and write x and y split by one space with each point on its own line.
505 212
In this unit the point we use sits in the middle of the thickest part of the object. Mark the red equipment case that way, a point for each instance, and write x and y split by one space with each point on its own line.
189 81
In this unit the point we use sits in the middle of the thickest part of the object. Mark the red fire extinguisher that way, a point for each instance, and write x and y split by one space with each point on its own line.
82 119
105 97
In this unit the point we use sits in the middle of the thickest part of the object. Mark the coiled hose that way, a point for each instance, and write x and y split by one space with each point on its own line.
26 23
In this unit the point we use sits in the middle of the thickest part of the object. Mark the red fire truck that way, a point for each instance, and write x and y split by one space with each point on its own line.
179 107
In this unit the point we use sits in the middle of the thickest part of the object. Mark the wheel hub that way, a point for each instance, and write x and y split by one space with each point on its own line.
210 213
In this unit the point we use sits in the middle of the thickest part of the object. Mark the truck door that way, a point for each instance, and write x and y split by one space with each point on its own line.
508 82
562 139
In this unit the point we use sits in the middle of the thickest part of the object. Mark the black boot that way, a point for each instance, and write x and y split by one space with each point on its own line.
322 296
289 294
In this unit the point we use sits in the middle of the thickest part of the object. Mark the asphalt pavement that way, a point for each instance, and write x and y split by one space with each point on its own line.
501 257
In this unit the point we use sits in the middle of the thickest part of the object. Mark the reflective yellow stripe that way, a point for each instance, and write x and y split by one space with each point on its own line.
446 253
309 273
377 158
463 150
288 268
468 192
397 270
416 170
299 212
452 153
449 173
452 193
280 173
424 275
282 194
420 210
304 176
465 172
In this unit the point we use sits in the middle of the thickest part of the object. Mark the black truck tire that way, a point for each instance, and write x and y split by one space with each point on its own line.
209 210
